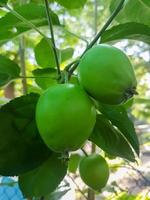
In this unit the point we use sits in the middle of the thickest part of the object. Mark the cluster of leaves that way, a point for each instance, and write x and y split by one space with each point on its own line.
22 151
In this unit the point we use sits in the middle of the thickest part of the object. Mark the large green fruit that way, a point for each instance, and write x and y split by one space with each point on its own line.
94 171
106 74
65 117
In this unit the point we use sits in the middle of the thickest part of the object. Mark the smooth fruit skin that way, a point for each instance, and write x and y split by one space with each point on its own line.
106 74
94 171
65 117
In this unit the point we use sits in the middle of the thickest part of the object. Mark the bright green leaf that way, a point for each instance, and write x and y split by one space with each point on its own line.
21 147
131 30
44 54
9 70
110 139
11 26
65 54
47 77
45 179
119 118
73 162
133 11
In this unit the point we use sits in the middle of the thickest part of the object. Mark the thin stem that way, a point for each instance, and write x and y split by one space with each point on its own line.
77 36
52 37
106 25
22 64
85 153
70 65
21 18
95 16
25 77
77 186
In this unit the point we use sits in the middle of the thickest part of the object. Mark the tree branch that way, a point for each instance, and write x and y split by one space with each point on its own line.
52 37
106 25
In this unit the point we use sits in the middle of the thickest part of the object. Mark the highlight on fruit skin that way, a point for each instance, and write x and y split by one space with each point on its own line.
65 117
107 74
94 171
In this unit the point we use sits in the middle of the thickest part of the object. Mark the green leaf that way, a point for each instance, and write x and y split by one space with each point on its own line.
131 30
73 162
47 77
146 3
110 139
11 26
44 54
66 54
72 4
21 147
45 179
3 2
119 118
133 11
9 70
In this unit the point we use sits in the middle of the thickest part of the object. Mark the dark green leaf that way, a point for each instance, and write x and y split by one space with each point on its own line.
133 11
45 179
146 2
21 147
134 31
3 2
119 118
110 139
72 4
11 26
44 54
47 77
9 70
73 162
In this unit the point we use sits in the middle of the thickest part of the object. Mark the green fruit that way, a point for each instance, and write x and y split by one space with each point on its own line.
106 74
94 171
65 117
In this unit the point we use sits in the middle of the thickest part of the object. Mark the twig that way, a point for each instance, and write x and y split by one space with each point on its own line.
22 64
85 153
52 37
77 187
77 36
21 18
106 25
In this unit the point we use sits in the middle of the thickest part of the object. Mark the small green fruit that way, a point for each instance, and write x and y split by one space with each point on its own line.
94 171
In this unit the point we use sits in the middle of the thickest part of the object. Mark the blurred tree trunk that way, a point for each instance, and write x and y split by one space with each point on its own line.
9 91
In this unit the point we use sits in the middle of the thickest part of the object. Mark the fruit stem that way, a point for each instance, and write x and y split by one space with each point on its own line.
52 37
106 25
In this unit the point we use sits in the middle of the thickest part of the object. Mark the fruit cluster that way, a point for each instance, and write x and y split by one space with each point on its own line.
66 113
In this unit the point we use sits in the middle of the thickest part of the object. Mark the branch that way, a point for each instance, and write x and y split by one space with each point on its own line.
52 37
22 64
85 153
21 18
77 186
106 25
